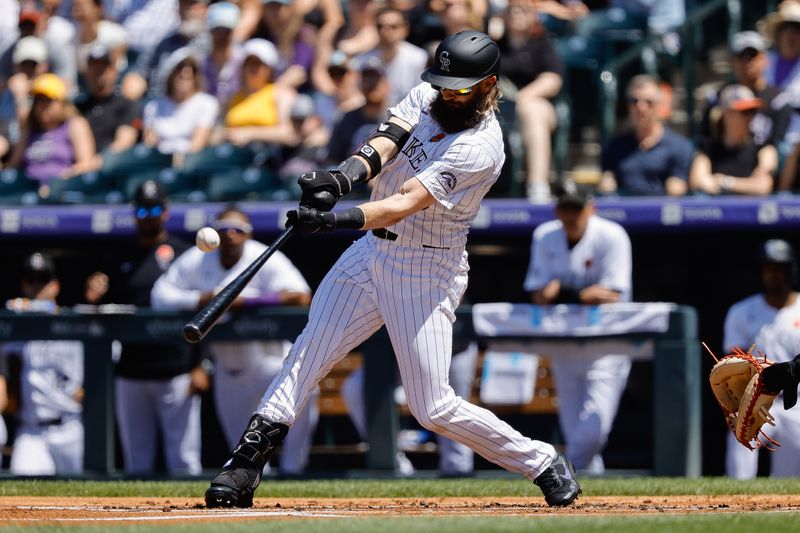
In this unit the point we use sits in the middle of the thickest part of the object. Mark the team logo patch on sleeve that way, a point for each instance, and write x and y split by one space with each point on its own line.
448 180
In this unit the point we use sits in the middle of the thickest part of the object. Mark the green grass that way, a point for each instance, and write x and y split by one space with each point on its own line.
729 523
391 488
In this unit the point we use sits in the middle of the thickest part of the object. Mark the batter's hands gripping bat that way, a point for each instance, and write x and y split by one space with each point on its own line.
204 320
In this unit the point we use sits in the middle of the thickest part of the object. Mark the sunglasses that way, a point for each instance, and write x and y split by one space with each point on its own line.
149 212
635 101
236 226
460 92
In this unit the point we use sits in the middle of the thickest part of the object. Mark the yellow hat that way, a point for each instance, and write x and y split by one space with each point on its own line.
49 85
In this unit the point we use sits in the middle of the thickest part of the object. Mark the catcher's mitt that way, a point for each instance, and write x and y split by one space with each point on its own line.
736 382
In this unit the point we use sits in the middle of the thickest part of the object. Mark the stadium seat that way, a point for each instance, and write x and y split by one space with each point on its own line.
181 186
17 188
216 159
92 187
251 183
139 159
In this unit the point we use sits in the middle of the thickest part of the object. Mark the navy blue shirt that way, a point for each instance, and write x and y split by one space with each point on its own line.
645 172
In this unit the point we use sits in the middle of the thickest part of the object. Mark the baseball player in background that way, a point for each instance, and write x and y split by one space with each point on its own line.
434 159
769 319
49 438
242 367
580 258
156 384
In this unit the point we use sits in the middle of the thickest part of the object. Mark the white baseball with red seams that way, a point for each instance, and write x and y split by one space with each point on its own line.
207 239
413 285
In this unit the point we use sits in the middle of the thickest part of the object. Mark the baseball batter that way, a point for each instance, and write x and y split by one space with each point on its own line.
434 159
582 258
49 438
242 368
771 321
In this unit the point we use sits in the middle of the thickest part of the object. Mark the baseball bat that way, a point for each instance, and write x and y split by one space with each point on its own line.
204 320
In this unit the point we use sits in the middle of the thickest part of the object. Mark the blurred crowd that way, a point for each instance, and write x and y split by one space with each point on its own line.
301 82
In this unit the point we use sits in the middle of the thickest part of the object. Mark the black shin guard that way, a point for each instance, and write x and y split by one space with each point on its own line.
258 442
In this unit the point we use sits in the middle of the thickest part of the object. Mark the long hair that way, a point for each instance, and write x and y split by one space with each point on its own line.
491 102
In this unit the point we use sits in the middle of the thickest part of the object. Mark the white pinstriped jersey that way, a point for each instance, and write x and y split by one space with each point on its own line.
602 256
458 169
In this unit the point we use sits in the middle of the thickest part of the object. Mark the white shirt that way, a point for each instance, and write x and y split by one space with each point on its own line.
51 374
775 332
403 70
457 169
602 257
195 272
175 123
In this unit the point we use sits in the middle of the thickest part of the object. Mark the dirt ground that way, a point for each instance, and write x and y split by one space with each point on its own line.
41 510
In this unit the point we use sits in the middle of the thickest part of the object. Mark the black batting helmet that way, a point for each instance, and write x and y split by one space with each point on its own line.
780 252
462 60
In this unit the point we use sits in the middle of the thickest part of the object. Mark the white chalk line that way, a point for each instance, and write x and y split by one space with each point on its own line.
202 514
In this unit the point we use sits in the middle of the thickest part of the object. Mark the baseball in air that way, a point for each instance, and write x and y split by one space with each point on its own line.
207 239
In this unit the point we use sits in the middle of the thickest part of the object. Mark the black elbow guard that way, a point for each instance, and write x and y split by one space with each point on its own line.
568 295
395 133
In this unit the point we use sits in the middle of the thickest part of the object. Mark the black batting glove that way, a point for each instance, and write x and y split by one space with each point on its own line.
306 220
323 188
783 377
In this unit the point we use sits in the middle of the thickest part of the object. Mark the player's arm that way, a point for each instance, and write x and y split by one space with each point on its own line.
323 188
783 377
412 197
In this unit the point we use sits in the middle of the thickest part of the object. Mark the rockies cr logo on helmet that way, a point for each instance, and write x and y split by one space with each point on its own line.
463 60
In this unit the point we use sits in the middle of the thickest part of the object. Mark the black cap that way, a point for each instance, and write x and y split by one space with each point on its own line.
462 60
570 193
38 266
151 192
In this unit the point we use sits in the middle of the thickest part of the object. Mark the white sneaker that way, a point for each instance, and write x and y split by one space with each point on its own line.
404 466
539 192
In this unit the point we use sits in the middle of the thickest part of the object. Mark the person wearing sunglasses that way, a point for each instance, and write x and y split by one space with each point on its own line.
432 161
156 384
731 162
650 159
402 61
242 367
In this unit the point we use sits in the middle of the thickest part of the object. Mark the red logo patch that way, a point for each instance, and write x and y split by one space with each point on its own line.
436 138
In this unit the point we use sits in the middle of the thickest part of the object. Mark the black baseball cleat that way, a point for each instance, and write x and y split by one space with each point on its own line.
558 482
236 483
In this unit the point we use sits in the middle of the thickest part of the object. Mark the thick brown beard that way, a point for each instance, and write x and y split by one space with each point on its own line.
455 119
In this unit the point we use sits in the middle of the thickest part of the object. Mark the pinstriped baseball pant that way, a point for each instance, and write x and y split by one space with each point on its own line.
413 291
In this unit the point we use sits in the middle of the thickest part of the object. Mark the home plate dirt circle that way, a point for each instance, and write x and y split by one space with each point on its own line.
39 510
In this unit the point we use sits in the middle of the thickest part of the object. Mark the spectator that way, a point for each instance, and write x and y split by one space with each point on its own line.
223 66
295 56
531 65
115 121
92 29
581 258
359 34
156 384
8 24
49 437
749 62
260 111
37 20
242 367
146 22
250 11
731 162
651 159
460 15
403 61
768 320
181 120
337 87
30 60
354 126
56 142
189 33
312 141
783 29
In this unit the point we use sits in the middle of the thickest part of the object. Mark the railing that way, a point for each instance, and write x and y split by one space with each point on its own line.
688 31
677 438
